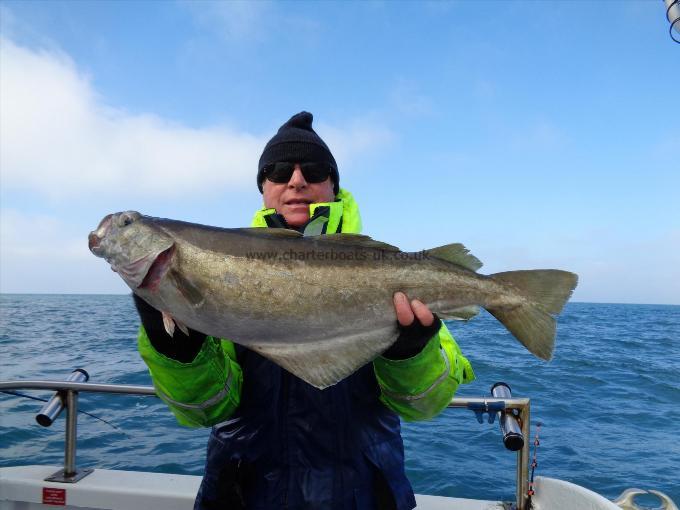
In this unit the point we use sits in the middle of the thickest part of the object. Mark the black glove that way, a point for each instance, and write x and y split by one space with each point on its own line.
412 339
179 347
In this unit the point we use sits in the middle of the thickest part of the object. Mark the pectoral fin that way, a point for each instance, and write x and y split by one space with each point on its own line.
464 313
168 323
186 287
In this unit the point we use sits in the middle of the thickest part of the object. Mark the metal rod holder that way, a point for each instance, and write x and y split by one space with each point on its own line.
522 406
513 439
67 399
56 404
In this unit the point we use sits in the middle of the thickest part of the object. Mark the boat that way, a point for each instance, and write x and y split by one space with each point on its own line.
32 487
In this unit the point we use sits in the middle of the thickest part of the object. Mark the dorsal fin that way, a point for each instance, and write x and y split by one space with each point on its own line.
271 232
358 240
456 253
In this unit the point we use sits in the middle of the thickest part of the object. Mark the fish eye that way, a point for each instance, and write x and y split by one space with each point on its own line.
125 220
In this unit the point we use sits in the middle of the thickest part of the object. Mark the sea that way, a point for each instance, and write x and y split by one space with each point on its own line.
609 401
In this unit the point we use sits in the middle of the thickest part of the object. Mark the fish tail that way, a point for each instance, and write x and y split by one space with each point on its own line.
545 292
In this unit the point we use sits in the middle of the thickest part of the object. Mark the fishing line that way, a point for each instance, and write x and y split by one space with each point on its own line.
17 394
534 464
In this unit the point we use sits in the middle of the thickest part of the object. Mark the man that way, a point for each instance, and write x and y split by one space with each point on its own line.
278 442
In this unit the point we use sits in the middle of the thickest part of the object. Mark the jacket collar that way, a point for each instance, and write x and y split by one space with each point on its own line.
325 217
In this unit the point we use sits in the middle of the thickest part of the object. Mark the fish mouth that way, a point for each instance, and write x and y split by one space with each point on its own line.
158 268
96 236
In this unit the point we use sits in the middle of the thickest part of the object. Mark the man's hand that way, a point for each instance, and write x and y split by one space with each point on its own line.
181 347
408 311
417 325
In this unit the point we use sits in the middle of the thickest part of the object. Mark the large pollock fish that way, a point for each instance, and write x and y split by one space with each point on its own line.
320 307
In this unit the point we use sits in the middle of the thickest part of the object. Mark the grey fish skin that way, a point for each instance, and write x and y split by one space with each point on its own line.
321 307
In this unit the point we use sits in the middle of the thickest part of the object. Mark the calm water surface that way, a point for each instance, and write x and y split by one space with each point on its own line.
609 401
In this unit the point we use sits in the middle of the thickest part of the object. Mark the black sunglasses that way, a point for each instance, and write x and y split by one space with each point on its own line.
281 171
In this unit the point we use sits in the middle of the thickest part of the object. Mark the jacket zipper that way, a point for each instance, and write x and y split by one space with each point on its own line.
286 450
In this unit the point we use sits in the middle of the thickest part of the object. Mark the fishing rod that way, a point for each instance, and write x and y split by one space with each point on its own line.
55 405
18 394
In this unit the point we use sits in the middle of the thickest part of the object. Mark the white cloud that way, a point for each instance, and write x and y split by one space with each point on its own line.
40 253
58 138
232 20
246 24
539 135
35 235
485 89
612 266
353 139
407 99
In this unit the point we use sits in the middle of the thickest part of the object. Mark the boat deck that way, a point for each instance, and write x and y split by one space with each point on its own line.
22 487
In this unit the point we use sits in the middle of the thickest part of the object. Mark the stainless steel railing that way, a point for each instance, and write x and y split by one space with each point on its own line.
66 397
508 408
513 414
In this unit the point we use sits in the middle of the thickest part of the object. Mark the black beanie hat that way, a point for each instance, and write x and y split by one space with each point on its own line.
297 142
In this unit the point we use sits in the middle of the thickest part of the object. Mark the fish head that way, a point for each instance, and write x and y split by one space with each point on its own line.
137 249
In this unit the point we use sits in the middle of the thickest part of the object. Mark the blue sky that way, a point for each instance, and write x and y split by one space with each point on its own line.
539 134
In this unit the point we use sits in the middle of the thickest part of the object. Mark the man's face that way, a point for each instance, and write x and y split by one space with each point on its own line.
291 199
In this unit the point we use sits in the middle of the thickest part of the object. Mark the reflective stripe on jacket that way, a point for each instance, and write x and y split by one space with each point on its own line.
200 393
